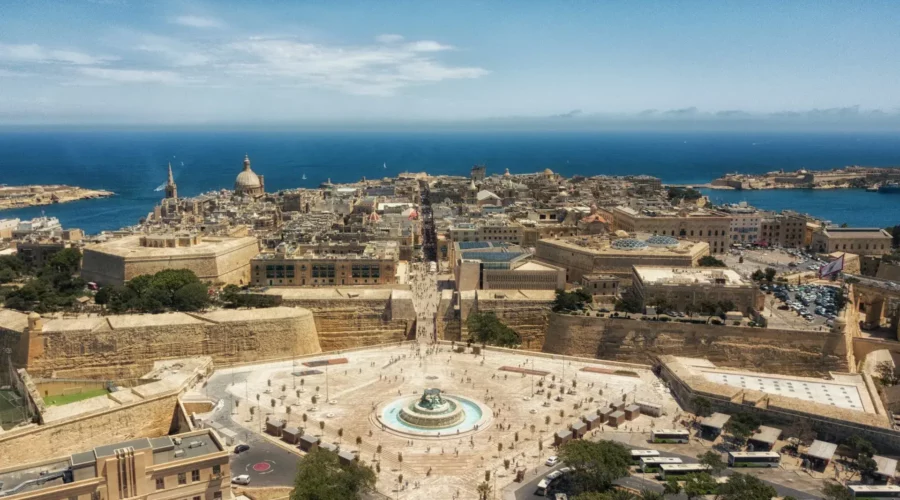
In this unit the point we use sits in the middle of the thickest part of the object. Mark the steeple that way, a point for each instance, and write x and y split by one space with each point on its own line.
246 162
171 188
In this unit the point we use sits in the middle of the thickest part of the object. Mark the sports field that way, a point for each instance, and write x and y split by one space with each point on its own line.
71 398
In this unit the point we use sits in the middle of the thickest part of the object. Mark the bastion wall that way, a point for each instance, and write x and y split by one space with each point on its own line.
789 352
126 346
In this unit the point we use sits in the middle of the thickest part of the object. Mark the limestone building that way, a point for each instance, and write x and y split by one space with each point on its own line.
745 222
787 229
248 183
681 287
372 263
700 225
860 241
488 266
218 260
192 465
582 256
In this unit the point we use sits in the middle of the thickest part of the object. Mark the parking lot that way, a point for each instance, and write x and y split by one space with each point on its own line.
801 306
783 260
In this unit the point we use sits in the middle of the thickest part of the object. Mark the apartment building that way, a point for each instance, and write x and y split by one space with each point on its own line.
189 466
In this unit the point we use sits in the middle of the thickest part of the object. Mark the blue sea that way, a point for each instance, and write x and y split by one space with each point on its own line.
133 163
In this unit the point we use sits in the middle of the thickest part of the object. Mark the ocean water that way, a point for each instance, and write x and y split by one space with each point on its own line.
133 163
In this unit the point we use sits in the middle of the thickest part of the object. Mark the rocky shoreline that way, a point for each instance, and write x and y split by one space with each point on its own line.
39 195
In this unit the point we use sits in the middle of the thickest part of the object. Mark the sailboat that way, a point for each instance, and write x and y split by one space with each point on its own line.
304 176
385 165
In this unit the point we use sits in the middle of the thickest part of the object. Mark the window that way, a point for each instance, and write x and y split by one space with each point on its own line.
196 498
217 469
182 478
217 495
160 483
195 475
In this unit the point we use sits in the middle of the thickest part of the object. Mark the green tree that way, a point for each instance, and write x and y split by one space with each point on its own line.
710 261
671 486
713 460
486 328
595 464
741 426
651 495
770 274
697 485
702 406
745 487
321 476
191 297
628 303
836 491
758 275
571 301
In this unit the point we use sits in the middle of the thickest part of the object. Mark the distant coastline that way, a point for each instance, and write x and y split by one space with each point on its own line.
36 195
852 177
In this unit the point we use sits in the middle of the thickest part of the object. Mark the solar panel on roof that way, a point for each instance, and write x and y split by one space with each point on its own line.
503 256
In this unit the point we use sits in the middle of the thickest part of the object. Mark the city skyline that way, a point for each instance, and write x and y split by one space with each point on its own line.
348 62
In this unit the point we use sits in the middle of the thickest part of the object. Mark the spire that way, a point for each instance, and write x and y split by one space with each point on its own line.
246 162
171 179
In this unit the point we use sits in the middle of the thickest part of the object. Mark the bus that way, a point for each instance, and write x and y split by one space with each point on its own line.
670 436
874 491
649 464
637 455
542 487
753 459
678 470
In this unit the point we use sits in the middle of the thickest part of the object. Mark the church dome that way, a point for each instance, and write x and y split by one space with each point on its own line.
247 179
548 172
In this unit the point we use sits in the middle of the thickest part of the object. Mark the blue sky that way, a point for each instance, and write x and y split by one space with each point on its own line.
130 61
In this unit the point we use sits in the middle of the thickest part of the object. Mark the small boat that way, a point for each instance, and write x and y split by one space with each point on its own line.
892 187
873 188
385 165
304 177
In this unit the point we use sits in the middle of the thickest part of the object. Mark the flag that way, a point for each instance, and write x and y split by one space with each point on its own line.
835 266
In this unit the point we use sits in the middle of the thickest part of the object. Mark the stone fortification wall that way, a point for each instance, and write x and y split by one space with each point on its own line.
149 418
831 423
760 349
528 318
525 311
344 323
114 346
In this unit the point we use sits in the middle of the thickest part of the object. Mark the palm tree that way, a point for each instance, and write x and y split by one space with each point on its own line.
340 435
621 495
651 495
484 490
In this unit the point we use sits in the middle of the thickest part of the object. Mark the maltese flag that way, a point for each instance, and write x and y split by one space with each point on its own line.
835 266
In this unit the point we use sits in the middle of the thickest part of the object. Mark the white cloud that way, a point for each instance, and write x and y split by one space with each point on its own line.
33 53
199 22
130 76
367 70
427 46
173 51
389 38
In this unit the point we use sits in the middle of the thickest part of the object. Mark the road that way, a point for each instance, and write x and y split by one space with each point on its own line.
266 463
639 482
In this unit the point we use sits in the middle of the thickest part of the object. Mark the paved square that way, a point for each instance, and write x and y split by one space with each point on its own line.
351 396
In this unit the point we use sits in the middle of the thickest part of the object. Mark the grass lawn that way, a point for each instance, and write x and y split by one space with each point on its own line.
71 398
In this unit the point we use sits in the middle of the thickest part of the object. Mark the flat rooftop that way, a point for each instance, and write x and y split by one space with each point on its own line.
674 276
130 246
842 395
602 247
856 232
83 464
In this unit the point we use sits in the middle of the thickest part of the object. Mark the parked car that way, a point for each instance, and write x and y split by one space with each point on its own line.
243 479
552 461
241 448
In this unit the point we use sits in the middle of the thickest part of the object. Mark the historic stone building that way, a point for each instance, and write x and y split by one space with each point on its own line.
248 183
681 288
218 260
191 465
372 263
582 256
860 241
701 225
